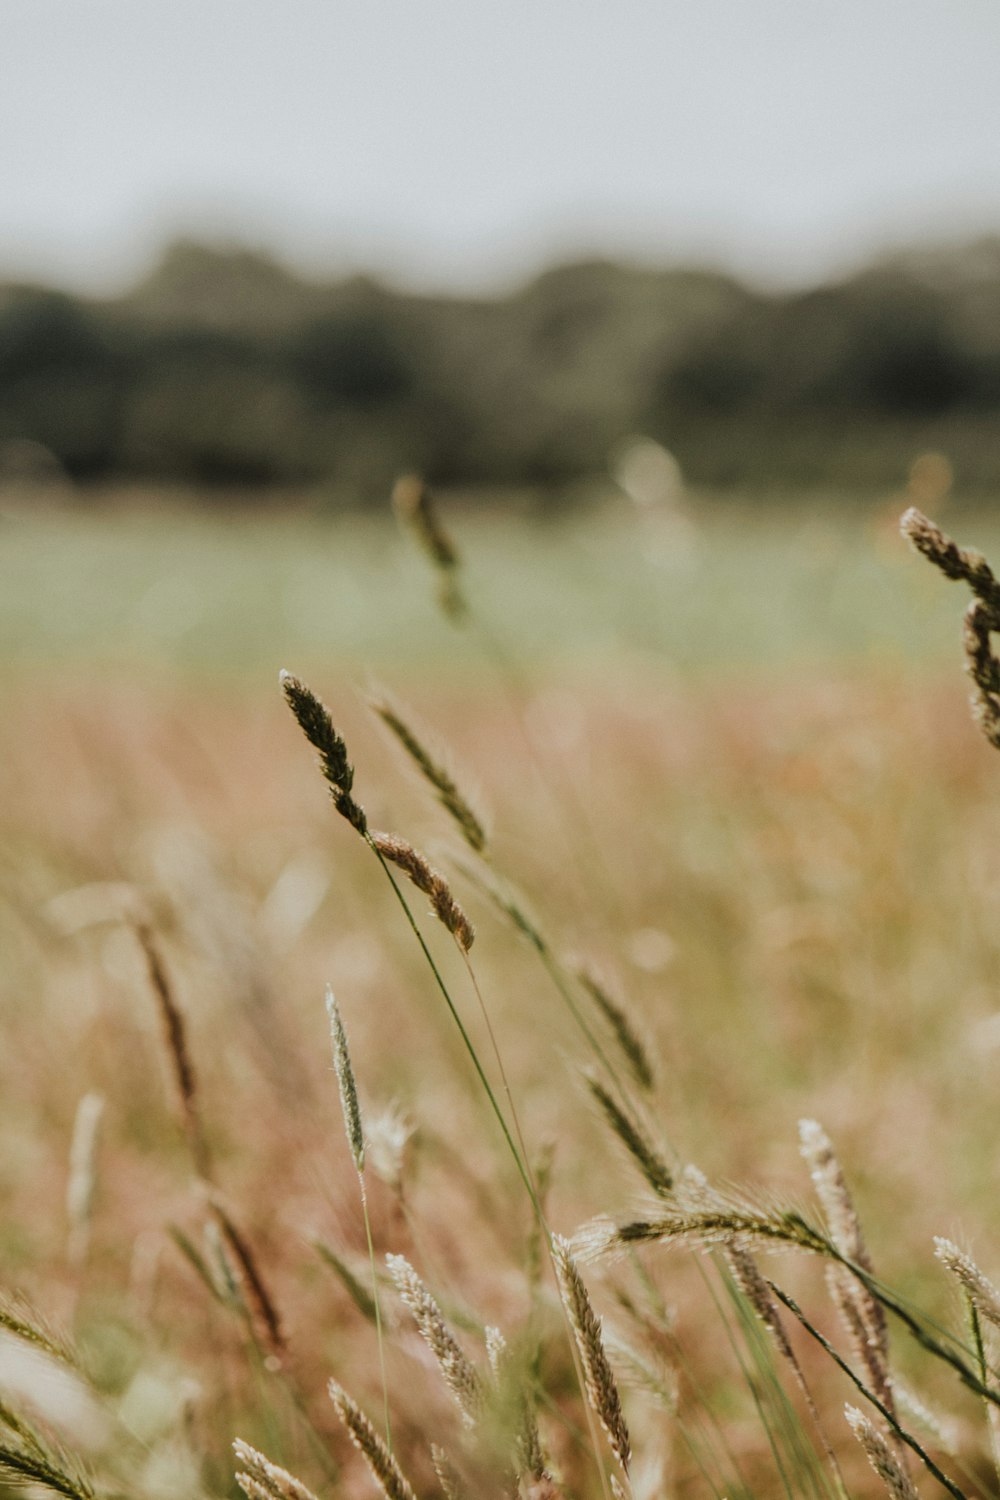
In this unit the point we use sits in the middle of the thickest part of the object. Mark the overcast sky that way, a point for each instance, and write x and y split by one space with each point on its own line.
467 142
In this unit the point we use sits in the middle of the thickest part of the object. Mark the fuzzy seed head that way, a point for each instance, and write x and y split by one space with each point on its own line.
980 1290
880 1456
602 1389
385 1470
263 1478
345 1082
459 1373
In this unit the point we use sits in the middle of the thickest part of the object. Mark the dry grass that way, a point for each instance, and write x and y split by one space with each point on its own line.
795 892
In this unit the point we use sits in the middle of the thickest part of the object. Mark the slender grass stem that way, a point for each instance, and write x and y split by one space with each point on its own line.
376 1299
879 1406
748 1378
463 1032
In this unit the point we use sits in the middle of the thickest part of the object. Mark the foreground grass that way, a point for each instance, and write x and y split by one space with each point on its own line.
792 881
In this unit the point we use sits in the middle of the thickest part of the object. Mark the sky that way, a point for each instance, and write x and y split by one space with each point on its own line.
464 144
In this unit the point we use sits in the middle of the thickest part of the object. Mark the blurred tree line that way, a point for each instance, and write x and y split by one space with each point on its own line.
226 369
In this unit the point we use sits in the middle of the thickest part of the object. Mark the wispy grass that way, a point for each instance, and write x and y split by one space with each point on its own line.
785 890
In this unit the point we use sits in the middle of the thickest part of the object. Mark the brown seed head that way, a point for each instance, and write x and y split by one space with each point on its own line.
413 864
431 766
314 720
981 619
414 505
602 1389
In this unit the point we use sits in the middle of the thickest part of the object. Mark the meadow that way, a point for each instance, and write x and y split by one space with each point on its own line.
728 774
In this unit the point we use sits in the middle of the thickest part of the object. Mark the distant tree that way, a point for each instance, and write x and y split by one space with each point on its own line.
63 369
350 358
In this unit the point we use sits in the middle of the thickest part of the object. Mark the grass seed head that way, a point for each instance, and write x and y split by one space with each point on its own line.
414 505
881 1457
980 1290
981 618
254 1290
960 563
647 1158
862 1315
432 768
345 1081
447 1475
260 1477
459 1373
385 1470
633 1048
314 720
398 851
602 1389
755 1289
175 1039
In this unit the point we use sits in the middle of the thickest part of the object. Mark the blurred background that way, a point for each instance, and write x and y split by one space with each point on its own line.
249 249
654 275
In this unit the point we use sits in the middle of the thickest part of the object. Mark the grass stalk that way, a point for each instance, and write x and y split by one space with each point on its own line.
884 1412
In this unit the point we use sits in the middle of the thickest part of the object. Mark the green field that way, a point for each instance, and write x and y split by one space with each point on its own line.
732 587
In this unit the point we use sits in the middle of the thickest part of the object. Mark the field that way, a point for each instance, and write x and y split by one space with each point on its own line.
726 760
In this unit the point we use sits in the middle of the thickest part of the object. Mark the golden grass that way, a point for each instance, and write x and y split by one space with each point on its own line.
797 886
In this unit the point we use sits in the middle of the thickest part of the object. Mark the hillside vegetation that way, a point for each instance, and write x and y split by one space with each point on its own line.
226 369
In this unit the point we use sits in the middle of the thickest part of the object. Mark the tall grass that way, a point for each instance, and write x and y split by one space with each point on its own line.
505 1245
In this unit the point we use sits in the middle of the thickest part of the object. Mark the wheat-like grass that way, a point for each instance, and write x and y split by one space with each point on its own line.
512 1383
256 1294
954 561
647 1158
351 1111
862 1314
25 1323
345 1082
459 1373
601 1386
385 1470
316 723
175 1039
414 505
19 1468
880 1456
905 1439
22 1429
981 618
982 1293
756 1290
704 1228
399 852
447 1475
631 1044
431 766
260 1477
